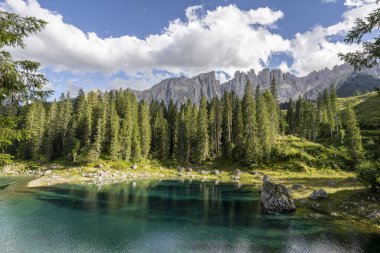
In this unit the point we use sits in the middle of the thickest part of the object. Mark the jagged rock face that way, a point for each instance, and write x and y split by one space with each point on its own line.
180 89
286 89
275 198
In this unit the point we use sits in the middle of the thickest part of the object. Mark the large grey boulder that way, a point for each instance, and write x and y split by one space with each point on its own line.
275 198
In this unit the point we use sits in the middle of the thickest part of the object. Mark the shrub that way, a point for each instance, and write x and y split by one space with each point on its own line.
369 174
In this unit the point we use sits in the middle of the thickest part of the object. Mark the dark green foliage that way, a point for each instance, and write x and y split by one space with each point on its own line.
202 138
250 125
369 55
291 117
20 81
145 130
114 125
353 136
369 174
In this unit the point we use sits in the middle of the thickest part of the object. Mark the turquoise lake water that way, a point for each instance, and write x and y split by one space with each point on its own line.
166 216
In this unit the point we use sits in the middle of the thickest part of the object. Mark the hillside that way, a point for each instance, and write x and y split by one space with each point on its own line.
367 108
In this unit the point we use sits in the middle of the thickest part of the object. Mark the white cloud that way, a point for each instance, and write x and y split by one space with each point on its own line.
328 1
226 39
317 49
141 81
358 3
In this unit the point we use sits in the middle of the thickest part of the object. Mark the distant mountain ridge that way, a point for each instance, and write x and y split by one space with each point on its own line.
180 89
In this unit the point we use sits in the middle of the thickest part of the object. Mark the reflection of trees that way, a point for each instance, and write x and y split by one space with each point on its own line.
196 202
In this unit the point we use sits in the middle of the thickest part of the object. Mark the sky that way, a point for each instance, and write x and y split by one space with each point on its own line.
135 44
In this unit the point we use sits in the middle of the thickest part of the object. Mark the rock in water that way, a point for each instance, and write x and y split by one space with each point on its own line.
275 198
318 194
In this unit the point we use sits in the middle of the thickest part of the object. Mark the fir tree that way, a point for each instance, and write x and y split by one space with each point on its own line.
263 128
145 130
353 136
250 127
202 137
291 117
227 144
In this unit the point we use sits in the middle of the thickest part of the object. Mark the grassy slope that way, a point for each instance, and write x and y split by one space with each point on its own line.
367 108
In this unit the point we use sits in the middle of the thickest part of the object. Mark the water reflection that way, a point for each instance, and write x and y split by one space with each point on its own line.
166 216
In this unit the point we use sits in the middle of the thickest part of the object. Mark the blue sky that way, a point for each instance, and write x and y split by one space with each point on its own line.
111 44
144 17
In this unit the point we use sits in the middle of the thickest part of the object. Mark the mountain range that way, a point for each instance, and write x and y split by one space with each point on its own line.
346 79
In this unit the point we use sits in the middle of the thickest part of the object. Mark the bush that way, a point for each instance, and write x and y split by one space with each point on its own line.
369 174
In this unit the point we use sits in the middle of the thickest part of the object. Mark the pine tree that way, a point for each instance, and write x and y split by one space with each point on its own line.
273 112
35 125
353 136
162 151
172 118
299 118
273 87
215 123
238 130
114 128
66 127
335 112
291 117
227 144
51 130
145 129
202 144
182 136
250 126
263 128
82 122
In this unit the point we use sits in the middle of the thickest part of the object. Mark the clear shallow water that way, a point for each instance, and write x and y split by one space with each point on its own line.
167 216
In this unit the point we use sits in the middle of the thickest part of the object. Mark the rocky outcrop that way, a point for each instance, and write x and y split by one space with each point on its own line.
318 194
180 89
275 198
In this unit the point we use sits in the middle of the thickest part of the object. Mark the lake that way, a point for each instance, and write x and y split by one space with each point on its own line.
166 216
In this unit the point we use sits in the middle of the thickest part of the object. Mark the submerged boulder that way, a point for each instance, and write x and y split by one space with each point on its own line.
318 194
275 198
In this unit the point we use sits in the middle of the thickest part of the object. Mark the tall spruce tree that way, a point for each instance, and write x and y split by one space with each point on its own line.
291 117
202 137
353 136
263 128
250 126
238 130
35 125
51 127
145 129
215 130
227 144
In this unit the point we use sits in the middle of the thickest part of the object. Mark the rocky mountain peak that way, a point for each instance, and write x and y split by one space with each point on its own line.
180 89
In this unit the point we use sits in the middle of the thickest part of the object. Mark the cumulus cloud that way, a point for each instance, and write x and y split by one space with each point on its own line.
358 3
226 38
317 49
